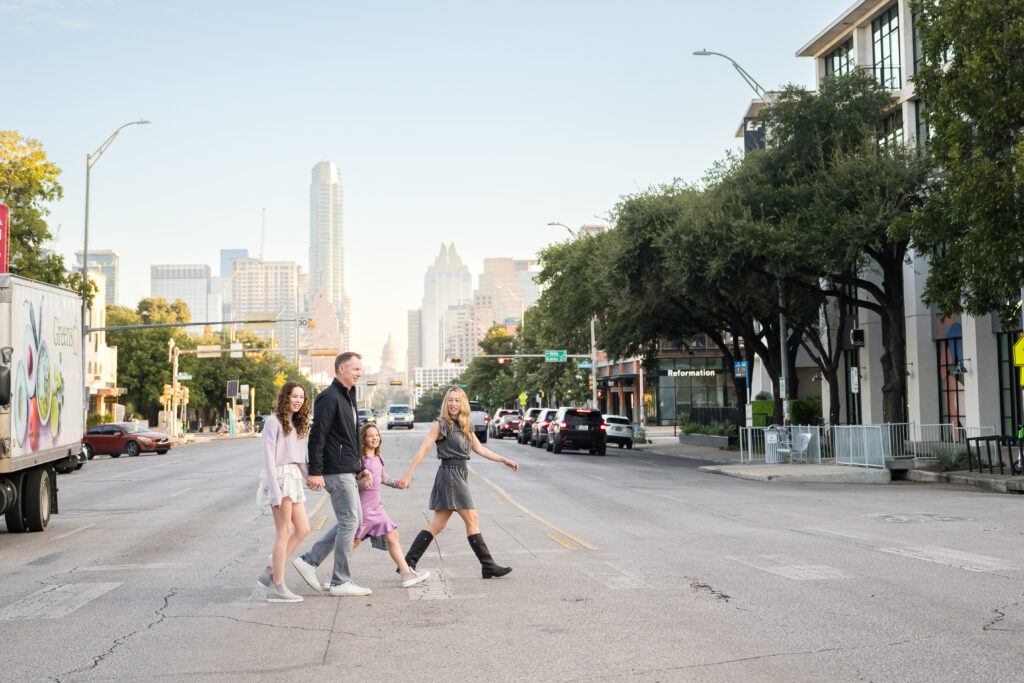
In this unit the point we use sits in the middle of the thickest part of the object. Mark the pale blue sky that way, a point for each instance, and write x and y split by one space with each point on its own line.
468 122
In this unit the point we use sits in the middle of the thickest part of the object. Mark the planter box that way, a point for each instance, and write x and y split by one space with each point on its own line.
704 440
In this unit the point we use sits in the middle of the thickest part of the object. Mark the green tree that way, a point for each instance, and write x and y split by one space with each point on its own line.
28 181
972 78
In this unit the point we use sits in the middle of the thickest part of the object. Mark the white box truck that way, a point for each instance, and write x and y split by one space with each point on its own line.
41 397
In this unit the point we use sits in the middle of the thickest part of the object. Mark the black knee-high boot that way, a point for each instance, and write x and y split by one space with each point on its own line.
488 568
418 547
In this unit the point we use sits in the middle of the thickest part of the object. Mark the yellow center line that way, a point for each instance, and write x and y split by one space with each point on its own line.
320 522
540 519
561 541
496 497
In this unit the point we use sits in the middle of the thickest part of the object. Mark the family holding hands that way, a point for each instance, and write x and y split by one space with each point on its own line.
345 460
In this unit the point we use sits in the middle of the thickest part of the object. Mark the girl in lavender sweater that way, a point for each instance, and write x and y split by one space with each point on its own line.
282 483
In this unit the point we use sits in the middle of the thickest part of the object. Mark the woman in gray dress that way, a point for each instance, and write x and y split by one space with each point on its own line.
453 435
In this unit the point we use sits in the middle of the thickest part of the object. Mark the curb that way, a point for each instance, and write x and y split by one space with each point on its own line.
983 483
771 473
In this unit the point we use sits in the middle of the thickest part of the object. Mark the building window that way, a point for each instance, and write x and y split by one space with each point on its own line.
885 42
922 132
839 62
951 381
892 129
1011 413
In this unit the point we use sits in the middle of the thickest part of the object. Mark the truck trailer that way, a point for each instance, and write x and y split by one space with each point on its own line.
41 397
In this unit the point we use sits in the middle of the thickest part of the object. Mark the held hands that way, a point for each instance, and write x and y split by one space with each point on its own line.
364 479
404 482
315 482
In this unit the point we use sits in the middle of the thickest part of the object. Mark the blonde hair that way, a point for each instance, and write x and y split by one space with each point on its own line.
363 431
463 419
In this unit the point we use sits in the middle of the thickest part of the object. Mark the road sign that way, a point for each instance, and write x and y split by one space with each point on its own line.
243 391
463 386
208 351
584 365
182 376
371 383
740 368
302 320
236 350
395 382
1018 357
554 356
523 398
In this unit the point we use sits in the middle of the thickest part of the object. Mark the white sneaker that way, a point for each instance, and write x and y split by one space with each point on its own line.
412 577
282 594
348 589
307 572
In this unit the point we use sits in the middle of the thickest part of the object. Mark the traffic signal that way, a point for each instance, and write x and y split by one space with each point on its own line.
419 384
591 382
501 360
312 324
449 359
184 394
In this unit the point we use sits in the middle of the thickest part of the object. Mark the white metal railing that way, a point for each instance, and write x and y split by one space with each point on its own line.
859 445
896 439
762 444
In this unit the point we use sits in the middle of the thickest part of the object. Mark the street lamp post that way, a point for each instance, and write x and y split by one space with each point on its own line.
769 99
90 161
593 341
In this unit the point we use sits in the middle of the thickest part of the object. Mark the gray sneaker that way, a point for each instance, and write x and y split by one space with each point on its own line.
266 579
413 576
280 593
307 572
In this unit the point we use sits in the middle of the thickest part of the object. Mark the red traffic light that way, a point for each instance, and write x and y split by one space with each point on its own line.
501 360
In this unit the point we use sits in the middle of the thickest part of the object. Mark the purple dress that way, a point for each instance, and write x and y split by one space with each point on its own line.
375 520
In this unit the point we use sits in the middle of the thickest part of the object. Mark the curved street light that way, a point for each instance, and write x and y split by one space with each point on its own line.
754 85
90 161
571 231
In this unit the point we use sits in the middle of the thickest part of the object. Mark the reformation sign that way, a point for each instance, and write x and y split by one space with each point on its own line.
693 373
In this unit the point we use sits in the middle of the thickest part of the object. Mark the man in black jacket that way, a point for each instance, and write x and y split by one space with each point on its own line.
335 463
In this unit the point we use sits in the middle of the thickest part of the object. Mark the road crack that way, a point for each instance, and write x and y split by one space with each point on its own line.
995 624
121 640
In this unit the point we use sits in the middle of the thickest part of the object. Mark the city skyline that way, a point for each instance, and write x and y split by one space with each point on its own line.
468 124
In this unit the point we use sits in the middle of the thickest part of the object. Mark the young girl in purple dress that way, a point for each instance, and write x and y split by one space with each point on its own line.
383 533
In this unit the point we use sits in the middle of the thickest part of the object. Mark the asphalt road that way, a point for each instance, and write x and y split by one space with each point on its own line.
630 566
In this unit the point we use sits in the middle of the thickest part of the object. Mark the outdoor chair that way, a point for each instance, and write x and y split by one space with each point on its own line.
798 449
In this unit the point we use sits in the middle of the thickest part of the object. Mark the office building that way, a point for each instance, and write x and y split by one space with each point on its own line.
326 239
190 283
268 290
106 262
447 283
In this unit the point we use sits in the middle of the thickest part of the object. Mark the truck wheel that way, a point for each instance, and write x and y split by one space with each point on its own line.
87 451
15 520
132 449
36 506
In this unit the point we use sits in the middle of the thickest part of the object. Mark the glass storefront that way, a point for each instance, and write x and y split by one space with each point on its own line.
685 383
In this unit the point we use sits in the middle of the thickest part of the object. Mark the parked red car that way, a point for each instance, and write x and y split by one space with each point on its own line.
116 438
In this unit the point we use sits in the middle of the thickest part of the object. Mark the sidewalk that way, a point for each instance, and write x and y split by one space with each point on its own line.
728 464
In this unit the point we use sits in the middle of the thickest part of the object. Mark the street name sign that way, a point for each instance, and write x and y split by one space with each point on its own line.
584 365
184 376
208 351
554 356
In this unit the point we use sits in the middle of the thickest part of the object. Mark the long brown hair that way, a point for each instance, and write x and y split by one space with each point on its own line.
463 418
362 438
301 418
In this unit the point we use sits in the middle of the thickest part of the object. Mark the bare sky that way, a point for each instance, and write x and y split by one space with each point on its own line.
468 122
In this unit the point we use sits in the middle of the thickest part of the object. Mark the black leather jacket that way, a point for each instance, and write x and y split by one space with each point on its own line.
333 444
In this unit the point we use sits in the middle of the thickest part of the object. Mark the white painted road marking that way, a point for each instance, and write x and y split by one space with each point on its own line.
72 533
123 567
613 578
55 602
787 568
951 558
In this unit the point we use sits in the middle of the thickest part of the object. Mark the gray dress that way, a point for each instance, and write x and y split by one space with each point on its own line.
451 484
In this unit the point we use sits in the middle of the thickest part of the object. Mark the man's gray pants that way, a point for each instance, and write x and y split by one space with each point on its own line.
344 493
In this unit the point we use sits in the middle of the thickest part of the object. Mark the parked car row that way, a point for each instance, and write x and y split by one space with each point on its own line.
558 429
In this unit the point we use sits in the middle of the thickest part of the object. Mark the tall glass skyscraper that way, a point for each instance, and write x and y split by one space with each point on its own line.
326 245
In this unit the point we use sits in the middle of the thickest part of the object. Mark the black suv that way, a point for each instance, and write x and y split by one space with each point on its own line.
580 429
539 433
526 428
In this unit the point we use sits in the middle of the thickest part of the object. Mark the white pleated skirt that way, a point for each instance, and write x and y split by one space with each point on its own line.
289 480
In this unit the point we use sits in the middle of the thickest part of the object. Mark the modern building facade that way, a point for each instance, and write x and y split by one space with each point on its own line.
326 238
447 283
191 283
268 290
959 370
413 358
429 379
318 345
108 263
100 359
